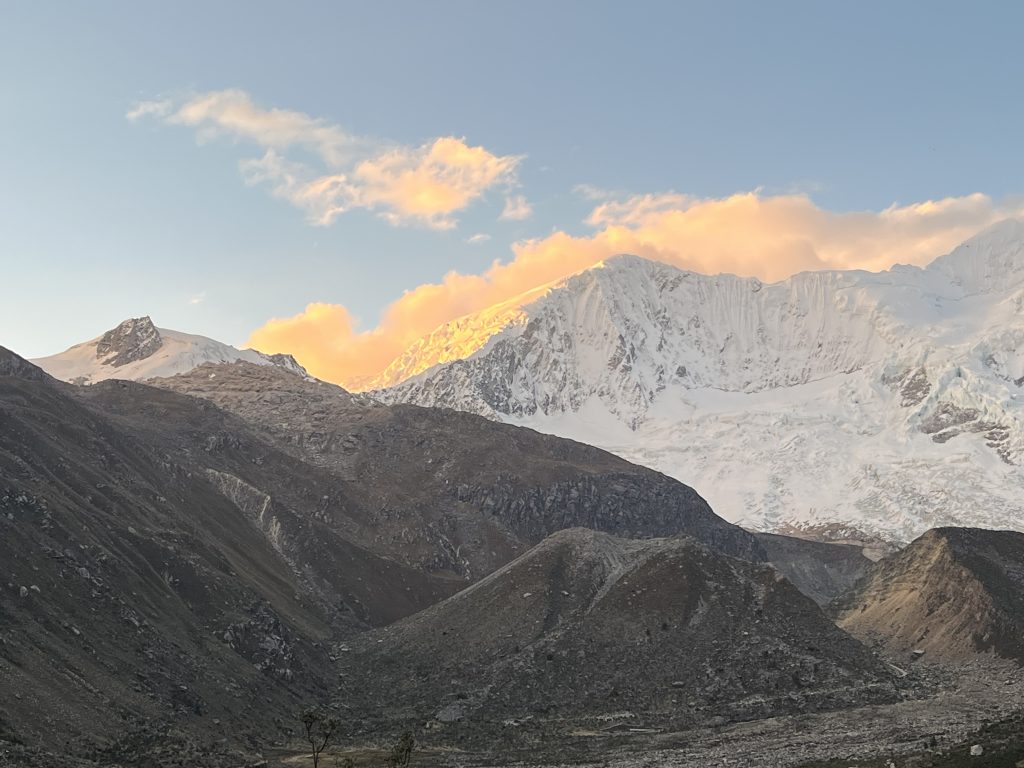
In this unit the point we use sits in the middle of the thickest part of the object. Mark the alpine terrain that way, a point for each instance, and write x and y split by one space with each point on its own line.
839 403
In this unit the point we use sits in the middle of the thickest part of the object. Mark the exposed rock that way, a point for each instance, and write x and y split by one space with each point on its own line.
133 340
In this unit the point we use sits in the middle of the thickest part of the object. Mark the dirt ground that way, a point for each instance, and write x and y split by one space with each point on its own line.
963 701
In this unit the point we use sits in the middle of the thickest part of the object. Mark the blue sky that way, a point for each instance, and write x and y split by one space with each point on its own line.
856 106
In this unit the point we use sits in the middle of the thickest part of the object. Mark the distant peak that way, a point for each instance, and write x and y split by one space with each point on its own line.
134 339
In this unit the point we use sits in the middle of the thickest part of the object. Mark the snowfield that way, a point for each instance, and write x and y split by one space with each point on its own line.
890 402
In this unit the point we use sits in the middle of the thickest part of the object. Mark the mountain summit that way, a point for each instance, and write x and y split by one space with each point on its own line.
137 350
889 402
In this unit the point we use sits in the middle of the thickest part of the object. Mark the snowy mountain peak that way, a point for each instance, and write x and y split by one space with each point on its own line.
137 350
890 402
133 340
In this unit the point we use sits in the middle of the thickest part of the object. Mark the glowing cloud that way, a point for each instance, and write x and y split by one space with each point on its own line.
425 184
747 234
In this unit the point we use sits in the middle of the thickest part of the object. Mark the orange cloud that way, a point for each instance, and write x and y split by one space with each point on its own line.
431 182
747 234
425 184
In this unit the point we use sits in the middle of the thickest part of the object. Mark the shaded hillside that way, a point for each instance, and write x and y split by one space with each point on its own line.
587 629
310 516
952 593
820 570
452 491
137 592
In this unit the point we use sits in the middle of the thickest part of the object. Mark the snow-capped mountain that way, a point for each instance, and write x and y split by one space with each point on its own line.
136 350
890 402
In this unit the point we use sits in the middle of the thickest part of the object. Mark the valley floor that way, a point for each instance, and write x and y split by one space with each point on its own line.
966 699
936 729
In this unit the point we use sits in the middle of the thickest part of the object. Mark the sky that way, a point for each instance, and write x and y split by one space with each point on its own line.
336 179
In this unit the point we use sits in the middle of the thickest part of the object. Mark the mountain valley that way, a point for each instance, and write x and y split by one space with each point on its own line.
505 547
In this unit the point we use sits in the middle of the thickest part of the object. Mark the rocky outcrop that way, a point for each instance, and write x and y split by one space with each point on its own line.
133 340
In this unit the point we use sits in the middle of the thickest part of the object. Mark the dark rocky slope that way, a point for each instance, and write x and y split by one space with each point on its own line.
586 630
446 490
952 593
136 593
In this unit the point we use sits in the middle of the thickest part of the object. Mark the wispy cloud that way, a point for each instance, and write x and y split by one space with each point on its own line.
426 184
149 109
478 239
770 237
517 208
198 298
591 192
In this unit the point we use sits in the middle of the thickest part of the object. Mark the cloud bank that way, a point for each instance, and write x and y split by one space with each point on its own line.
769 237
426 184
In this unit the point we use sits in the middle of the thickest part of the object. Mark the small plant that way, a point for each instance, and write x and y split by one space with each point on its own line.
320 728
401 754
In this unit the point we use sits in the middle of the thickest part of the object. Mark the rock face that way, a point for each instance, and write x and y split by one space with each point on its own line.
953 593
594 630
790 404
131 341
450 491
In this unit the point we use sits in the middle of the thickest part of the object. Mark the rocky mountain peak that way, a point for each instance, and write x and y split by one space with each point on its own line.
133 340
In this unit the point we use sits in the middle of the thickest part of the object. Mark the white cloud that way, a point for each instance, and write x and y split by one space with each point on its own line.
426 184
478 239
517 208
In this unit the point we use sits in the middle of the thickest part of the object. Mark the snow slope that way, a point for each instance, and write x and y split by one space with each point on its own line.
138 350
890 402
